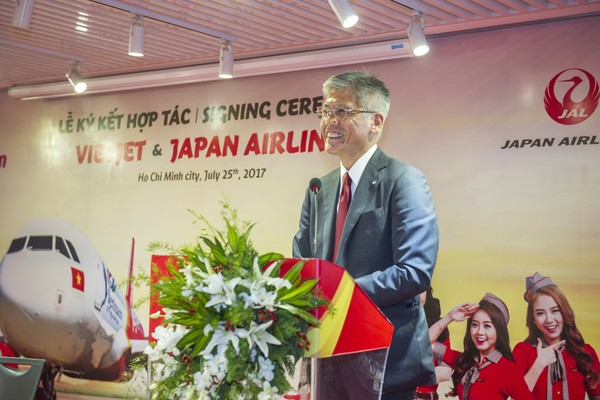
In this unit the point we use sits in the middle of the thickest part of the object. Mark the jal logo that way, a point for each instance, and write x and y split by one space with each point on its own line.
571 96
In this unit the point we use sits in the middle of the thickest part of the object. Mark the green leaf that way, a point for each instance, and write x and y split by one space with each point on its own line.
304 288
187 319
232 237
173 271
189 338
217 251
269 257
301 313
294 273
200 345
303 303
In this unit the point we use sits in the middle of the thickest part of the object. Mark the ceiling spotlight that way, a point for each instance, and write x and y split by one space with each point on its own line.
416 36
344 12
226 60
136 36
74 77
22 14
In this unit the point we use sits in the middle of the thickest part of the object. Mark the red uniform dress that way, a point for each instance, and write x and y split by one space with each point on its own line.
526 353
496 379
7 351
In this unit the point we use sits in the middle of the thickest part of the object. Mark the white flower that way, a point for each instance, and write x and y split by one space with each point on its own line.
192 277
164 369
259 298
267 368
264 277
216 364
268 392
213 372
203 380
221 291
257 334
166 342
188 273
185 392
222 337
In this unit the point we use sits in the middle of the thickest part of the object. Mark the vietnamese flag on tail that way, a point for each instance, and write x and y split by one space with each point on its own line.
77 279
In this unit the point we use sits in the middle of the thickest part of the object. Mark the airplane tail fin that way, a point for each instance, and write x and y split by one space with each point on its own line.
134 326
129 293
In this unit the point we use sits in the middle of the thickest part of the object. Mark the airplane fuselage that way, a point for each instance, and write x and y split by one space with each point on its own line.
59 302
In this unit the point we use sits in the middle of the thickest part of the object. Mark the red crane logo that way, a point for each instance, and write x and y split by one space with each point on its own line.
577 105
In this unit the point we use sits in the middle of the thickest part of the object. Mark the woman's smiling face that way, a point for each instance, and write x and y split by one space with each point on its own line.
483 332
548 318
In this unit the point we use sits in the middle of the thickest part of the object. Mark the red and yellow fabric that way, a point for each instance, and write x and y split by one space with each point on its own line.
157 271
352 323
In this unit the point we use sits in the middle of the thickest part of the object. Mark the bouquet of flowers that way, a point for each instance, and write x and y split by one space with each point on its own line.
233 327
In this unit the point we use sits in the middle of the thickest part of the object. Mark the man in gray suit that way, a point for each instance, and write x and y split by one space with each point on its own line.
389 240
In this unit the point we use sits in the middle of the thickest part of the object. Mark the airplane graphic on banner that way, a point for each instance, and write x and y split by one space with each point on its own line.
59 302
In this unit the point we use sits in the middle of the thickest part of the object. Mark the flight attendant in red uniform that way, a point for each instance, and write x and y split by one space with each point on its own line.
556 361
6 351
486 369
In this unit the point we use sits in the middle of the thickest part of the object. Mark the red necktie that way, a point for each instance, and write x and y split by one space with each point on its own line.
345 197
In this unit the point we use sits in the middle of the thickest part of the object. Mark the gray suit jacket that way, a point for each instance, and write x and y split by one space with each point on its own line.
389 245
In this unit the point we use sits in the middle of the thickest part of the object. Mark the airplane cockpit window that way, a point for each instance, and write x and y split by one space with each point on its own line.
40 242
17 245
73 252
61 247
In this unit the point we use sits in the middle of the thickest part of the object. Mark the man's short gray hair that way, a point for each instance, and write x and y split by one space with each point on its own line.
371 92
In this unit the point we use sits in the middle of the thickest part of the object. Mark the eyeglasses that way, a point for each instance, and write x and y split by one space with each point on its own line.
339 112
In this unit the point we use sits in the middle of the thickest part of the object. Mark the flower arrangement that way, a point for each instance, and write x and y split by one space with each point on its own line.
233 327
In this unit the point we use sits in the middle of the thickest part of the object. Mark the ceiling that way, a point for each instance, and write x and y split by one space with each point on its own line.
183 33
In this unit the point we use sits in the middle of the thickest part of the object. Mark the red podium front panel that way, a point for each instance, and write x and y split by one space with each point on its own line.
352 323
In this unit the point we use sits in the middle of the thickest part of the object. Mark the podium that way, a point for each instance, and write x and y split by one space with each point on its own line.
349 349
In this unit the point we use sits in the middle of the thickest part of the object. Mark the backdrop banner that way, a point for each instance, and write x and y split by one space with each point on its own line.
504 124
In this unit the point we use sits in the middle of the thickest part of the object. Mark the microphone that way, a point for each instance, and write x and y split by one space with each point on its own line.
315 186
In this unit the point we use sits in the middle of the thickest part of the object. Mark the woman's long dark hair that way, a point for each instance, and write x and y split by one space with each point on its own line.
570 333
433 313
465 361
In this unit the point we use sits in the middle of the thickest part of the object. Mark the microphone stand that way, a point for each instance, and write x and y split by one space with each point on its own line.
314 249
315 186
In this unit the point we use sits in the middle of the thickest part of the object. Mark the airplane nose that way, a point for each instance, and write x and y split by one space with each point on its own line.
31 283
